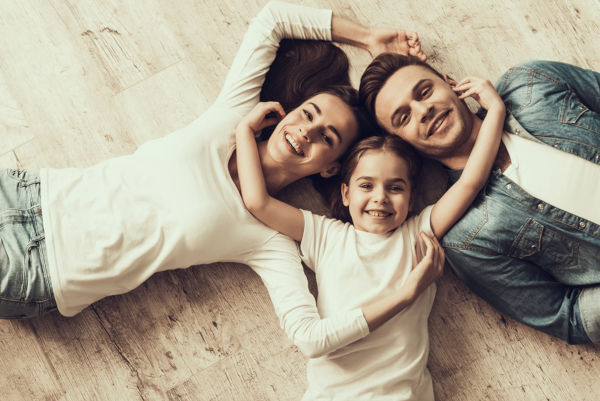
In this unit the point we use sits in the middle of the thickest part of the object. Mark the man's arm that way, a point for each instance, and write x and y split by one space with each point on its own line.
585 83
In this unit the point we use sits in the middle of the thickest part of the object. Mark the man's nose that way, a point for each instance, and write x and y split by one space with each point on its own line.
423 111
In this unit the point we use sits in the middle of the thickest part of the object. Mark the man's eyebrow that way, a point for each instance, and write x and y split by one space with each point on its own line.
414 90
331 127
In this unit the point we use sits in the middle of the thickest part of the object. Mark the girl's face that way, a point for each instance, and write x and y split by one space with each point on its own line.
311 138
378 195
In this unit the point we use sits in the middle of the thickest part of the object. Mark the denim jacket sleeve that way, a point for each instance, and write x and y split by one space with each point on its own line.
558 104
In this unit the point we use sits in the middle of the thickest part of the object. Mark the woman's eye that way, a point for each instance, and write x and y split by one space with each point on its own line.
327 139
308 115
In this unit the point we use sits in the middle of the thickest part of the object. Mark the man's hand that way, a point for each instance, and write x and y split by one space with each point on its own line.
395 41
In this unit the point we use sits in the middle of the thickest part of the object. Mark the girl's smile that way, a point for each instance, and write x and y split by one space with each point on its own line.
378 195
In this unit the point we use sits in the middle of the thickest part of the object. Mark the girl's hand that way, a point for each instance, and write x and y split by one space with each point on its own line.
395 41
479 89
429 269
263 115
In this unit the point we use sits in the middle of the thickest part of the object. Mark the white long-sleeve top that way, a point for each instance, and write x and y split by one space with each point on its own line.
172 204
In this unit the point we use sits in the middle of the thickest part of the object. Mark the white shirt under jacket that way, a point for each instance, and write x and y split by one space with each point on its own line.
172 204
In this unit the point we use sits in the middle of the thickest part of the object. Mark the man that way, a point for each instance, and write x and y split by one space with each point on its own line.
530 243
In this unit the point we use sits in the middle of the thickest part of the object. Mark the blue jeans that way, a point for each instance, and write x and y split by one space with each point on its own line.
530 260
25 288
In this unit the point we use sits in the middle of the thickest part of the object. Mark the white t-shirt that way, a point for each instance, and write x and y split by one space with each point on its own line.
352 268
172 204
563 180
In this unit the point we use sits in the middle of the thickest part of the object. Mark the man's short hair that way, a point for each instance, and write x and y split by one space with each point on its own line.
379 71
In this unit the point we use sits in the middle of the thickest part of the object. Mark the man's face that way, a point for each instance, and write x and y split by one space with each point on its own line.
422 109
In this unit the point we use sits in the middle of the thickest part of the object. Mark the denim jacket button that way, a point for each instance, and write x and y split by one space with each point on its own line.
582 224
540 206
508 186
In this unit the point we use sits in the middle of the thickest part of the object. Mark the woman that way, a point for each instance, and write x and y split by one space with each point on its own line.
99 231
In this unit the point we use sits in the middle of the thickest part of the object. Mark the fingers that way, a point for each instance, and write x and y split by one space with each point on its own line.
434 250
265 114
414 46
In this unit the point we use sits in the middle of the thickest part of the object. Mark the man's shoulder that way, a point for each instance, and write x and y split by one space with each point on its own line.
528 73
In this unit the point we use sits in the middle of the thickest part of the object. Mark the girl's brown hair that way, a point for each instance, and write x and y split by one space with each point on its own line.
389 143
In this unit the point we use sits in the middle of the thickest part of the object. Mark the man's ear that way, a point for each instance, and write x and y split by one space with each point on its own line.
331 170
344 190
449 80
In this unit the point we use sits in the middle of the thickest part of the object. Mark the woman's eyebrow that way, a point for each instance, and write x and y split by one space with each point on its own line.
331 127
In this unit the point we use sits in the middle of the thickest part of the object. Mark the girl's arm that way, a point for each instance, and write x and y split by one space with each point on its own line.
429 269
272 212
453 204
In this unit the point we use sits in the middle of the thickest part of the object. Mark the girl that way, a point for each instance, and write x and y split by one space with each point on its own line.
70 237
372 264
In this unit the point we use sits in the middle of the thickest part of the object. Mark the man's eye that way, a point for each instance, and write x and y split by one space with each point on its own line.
403 119
308 115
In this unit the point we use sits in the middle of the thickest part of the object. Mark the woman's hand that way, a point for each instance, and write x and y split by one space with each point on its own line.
383 40
429 269
481 90
263 115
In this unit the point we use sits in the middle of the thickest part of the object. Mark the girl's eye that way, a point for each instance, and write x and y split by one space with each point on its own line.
365 186
425 92
308 115
396 188
327 139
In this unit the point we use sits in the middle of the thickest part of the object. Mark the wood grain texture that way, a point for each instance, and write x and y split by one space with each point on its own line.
82 81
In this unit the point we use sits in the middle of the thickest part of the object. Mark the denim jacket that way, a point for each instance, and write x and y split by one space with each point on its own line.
532 261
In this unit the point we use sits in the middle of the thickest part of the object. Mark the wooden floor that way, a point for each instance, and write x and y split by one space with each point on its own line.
86 80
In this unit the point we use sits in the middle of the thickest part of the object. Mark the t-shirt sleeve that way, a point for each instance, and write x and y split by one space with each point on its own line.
416 225
278 265
319 232
276 21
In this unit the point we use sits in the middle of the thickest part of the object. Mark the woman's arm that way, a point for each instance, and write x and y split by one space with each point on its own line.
376 40
277 21
272 212
453 204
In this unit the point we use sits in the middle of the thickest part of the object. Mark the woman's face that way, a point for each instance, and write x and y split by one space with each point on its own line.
311 138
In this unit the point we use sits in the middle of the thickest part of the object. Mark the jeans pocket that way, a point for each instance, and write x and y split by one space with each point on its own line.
546 247
578 114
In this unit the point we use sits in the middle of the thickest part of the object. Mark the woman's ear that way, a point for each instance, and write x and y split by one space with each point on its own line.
331 170
344 191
